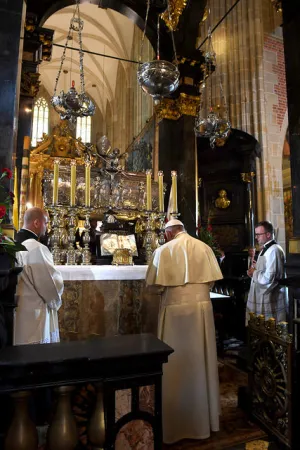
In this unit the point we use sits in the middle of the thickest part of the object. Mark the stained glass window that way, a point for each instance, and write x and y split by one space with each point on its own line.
83 128
40 120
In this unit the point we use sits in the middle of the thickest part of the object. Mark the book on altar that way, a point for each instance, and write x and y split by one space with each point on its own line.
109 242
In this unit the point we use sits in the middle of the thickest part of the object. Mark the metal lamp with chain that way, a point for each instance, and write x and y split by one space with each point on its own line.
158 78
214 127
72 104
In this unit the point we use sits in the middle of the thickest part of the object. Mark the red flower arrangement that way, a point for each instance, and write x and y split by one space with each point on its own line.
2 211
205 234
6 172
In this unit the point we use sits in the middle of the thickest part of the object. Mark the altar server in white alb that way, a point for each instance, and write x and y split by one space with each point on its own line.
40 286
186 267
266 296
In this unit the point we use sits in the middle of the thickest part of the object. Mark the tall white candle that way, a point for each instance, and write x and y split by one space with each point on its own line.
149 189
174 191
88 184
73 182
55 181
161 191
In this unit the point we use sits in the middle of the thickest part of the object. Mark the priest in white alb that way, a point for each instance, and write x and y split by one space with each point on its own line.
40 285
187 268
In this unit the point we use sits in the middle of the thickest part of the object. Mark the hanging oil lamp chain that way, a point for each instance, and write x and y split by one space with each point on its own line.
158 78
72 104
212 126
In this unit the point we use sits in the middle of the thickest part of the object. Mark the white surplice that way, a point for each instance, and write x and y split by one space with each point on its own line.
266 296
39 290
191 404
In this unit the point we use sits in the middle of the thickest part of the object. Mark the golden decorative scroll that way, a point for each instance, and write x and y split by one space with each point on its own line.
247 177
176 9
167 109
122 257
187 105
30 84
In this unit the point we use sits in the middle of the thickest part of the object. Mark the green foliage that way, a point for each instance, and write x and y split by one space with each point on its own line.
205 235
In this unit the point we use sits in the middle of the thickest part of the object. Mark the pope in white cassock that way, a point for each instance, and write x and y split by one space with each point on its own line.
40 285
186 267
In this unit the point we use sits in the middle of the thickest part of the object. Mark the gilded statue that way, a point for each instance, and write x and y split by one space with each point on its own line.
222 202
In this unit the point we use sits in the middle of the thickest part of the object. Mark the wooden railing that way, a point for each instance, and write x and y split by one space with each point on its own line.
113 364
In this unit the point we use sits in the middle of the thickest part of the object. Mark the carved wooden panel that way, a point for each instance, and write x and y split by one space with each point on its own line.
270 379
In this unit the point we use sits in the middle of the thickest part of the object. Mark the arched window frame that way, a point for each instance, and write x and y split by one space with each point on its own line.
84 128
40 122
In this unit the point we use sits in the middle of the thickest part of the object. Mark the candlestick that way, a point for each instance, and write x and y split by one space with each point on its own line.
174 191
86 254
149 189
87 184
161 191
55 181
71 252
73 182
148 237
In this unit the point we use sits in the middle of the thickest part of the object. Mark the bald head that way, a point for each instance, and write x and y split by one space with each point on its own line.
36 219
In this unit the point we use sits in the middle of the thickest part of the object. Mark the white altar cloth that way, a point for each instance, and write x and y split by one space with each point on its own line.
109 273
102 273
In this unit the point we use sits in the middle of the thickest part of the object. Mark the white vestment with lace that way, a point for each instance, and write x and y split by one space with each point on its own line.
39 290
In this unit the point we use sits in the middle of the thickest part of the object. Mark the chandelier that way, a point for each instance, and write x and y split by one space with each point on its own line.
158 78
213 125
72 104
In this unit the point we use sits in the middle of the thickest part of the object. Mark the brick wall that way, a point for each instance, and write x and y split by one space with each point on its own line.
275 108
275 75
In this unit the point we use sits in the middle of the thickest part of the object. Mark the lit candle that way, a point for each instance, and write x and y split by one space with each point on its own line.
174 191
73 182
161 191
55 181
148 189
87 184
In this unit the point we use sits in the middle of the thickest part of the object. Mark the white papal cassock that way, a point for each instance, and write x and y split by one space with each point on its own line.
191 404
39 291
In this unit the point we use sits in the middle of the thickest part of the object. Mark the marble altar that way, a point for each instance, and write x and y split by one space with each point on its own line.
107 301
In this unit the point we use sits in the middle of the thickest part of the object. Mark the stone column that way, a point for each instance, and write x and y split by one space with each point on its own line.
11 29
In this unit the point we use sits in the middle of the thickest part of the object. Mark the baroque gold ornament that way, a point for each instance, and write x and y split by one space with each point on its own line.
184 105
176 9
122 257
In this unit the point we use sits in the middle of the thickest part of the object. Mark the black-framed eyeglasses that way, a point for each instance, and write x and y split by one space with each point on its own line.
260 234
